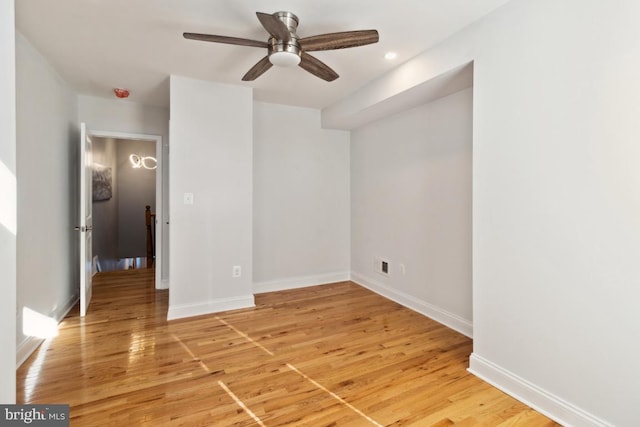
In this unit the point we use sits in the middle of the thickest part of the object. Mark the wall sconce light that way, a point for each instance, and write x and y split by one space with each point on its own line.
147 162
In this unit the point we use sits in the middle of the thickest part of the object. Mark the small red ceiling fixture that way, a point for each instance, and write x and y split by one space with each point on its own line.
121 93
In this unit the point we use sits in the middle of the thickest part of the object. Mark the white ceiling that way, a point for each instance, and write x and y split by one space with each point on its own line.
96 45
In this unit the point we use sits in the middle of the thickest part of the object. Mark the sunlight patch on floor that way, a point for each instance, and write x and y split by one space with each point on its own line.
38 325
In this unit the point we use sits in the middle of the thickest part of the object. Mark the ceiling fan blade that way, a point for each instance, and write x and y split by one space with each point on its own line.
225 39
340 40
274 26
317 67
257 70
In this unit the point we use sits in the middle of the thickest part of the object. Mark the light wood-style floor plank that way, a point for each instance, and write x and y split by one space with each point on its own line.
332 355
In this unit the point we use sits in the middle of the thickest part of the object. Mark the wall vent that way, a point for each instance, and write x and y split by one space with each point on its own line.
381 266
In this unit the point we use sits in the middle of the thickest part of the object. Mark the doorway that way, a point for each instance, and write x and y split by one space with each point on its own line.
128 178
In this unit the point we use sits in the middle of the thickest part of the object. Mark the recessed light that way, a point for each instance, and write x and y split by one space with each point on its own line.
390 55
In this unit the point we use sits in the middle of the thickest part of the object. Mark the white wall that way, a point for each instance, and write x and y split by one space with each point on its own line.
556 241
301 199
47 156
211 157
411 206
7 204
117 115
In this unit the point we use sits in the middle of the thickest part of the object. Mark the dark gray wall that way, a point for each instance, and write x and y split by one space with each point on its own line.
105 212
136 189
119 222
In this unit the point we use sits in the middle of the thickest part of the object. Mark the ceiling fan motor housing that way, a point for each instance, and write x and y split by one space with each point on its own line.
281 52
289 19
288 48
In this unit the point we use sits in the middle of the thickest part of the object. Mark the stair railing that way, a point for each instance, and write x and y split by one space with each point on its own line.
150 221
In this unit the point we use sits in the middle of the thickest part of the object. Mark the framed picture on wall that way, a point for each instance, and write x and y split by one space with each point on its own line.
101 182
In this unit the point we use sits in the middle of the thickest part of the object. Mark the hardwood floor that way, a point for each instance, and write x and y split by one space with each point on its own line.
332 355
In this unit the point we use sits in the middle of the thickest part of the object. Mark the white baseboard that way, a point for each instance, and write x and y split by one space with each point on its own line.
62 313
300 282
209 307
532 395
31 344
95 265
26 348
438 314
164 284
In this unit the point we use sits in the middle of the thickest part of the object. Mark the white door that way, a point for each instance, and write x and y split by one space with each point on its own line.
159 218
86 220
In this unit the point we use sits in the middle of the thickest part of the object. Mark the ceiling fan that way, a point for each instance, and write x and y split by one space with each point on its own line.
285 48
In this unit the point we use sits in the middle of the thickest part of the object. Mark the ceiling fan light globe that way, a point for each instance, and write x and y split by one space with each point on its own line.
284 59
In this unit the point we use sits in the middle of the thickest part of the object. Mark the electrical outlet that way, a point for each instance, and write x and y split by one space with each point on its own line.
188 198
237 271
403 270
